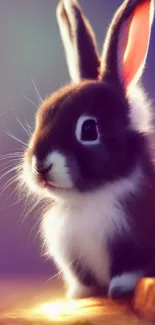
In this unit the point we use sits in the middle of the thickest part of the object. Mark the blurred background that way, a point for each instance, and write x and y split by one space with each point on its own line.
30 48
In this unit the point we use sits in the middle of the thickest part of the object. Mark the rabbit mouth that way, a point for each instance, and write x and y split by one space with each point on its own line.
49 185
53 186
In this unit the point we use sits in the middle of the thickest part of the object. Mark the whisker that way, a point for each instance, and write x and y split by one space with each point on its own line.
9 183
18 200
61 271
10 162
37 92
25 202
6 168
29 100
15 138
5 160
21 191
37 223
6 165
9 171
29 205
12 155
8 155
10 110
23 127
30 211
28 127
54 276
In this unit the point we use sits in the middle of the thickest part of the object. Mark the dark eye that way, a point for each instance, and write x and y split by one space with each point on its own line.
89 130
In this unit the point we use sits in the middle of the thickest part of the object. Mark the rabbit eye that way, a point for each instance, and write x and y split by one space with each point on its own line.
89 130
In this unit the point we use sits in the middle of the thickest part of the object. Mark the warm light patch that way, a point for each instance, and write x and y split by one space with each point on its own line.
148 282
66 309
56 310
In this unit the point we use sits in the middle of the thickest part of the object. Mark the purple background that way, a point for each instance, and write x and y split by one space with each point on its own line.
30 45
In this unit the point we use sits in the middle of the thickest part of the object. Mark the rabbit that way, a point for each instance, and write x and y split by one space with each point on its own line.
89 156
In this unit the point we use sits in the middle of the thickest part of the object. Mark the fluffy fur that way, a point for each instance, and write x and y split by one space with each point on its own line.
78 228
100 226
141 112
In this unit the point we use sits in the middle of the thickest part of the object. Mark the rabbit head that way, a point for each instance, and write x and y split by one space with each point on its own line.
92 131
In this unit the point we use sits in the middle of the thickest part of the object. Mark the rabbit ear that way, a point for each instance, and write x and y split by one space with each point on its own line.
78 40
127 41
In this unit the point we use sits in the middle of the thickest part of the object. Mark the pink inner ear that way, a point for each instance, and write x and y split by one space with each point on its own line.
137 44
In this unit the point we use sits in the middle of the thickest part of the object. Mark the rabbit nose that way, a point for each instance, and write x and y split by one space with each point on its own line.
42 169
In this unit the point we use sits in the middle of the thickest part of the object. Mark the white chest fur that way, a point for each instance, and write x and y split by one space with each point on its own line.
80 227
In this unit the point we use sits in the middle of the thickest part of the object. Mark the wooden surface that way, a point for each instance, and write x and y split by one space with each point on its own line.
39 301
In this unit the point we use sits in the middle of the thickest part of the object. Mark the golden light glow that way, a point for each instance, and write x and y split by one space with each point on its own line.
66 309
58 311
146 284
148 281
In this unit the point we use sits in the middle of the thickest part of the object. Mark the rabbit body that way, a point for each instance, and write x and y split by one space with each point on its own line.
78 234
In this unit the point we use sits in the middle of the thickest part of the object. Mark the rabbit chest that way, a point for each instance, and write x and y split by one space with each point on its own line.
81 231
